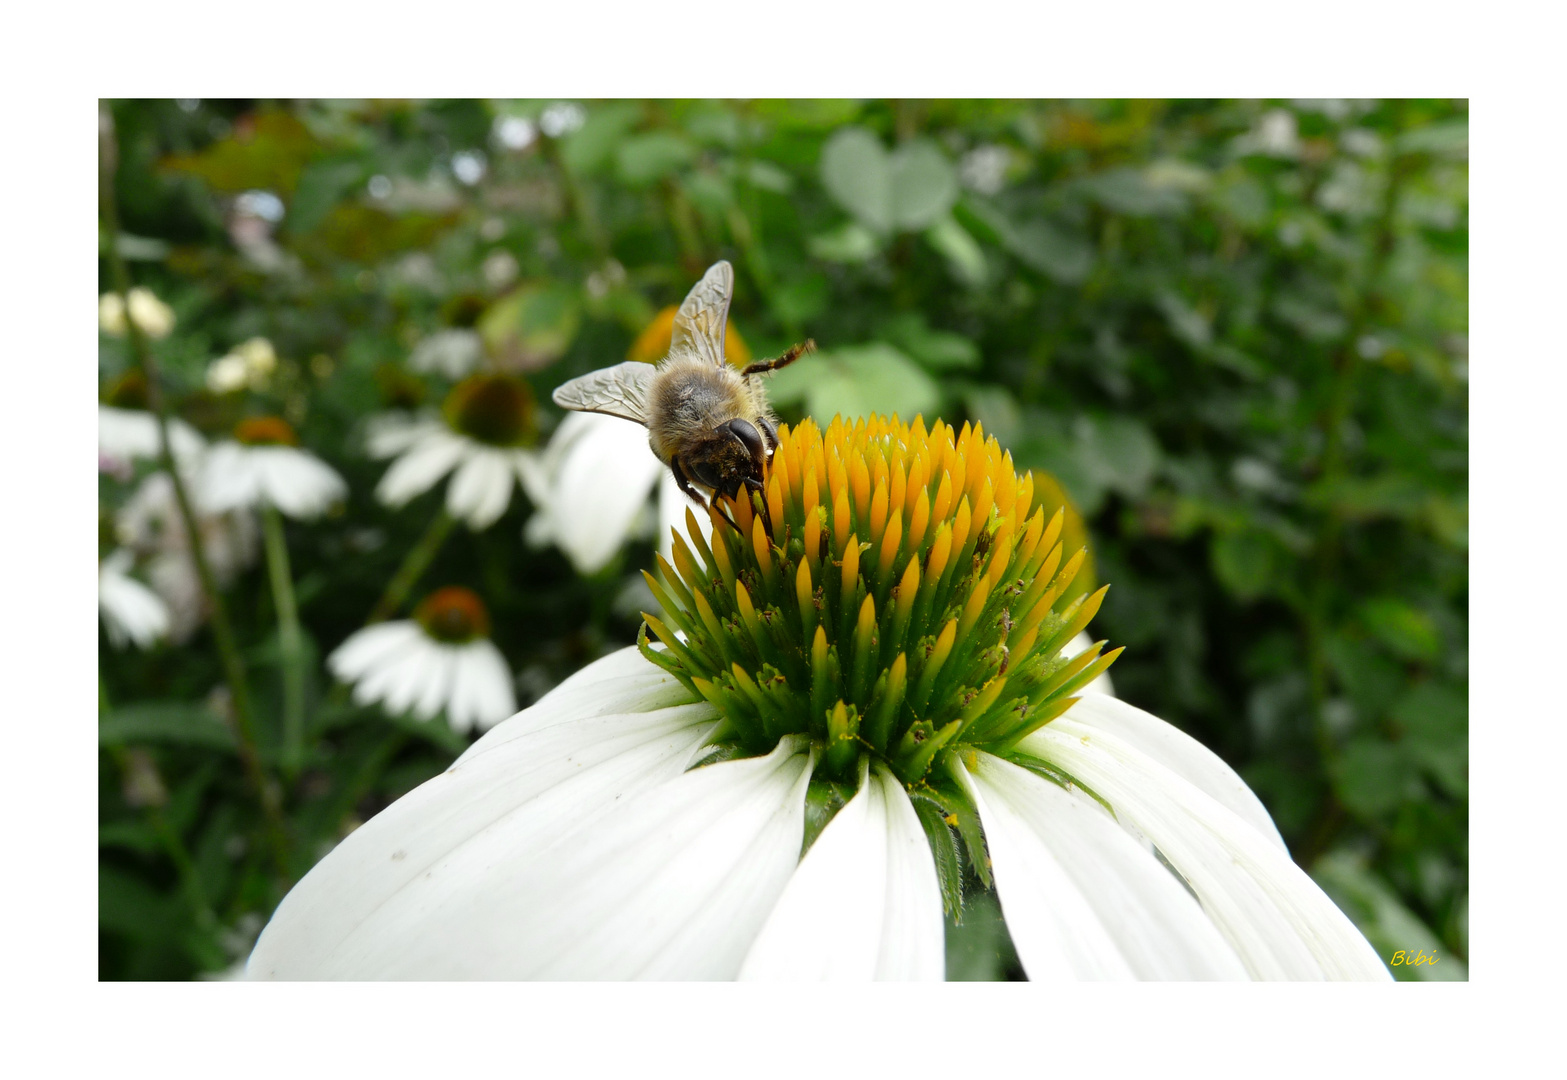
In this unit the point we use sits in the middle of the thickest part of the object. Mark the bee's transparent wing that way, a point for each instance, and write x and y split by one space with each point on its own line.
619 391
700 322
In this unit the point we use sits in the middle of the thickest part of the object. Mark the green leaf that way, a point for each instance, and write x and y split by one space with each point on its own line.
592 146
179 722
1435 723
856 380
1406 630
1245 562
1372 777
1054 252
924 185
850 242
936 350
645 159
979 949
856 173
1127 191
963 252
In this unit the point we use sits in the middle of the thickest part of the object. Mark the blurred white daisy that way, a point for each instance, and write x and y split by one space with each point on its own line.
150 524
264 466
440 661
478 437
452 353
153 316
131 612
590 488
128 435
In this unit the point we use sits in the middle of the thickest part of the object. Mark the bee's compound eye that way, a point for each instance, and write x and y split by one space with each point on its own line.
748 436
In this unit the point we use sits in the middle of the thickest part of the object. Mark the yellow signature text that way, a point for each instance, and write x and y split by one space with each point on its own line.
1402 957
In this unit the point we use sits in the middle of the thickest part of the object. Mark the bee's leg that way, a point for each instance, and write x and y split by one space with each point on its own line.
762 367
684 484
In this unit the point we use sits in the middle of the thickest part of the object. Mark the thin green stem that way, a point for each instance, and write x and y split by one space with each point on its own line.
291 642
173 844
414 565
222 632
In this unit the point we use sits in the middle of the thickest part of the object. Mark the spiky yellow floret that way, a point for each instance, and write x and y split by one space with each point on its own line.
902 604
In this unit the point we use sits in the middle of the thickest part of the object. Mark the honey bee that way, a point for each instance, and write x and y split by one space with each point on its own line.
708 422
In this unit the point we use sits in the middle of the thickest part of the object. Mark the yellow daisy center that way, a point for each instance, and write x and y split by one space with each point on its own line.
904 604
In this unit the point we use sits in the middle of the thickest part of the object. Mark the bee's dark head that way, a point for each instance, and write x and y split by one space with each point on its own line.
733 456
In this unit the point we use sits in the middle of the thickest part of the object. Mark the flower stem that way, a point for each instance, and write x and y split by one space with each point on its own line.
417 561
290 642
223 634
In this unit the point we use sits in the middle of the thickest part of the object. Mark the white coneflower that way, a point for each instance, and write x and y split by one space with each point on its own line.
440 661
452 353
153 317
590 489
880 680
131 612
128 435
484 424
263 466
150 524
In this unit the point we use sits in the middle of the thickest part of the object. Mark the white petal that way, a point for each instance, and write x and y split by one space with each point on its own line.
1178 752
1274 916
615 683
395 898
1082 899
488 685
130 610
672 506
298 483
420 664
133 433
364 649
604 480
437 686
481 489
389 671
864 903
227 480
1102 683
416 471
389 434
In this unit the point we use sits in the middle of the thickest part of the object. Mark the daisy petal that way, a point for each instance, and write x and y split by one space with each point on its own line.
418 470
364 649
391 434
1275 917
437 685
1178 752
1081 897
864 903
226 480
602 484
299 484
481 488
395 899
672 506
490 686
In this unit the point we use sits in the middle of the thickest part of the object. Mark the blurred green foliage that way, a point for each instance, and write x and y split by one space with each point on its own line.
1236 332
